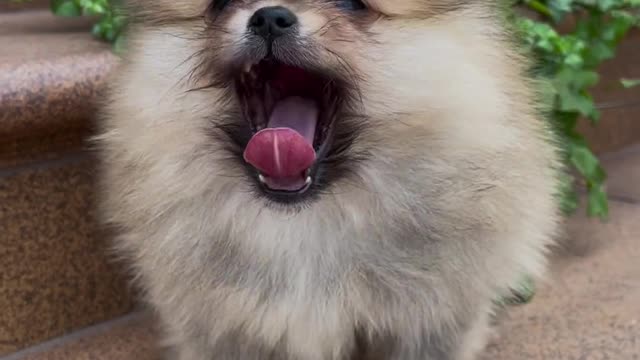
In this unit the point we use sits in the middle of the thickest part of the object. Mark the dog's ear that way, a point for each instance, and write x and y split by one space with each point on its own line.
417 7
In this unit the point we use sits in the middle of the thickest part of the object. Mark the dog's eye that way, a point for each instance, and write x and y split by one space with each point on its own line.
352 4
220 4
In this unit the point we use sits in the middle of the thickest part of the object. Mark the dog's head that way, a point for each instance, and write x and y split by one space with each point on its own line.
307 97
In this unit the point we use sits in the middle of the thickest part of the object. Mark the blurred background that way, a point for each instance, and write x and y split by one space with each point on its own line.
62 296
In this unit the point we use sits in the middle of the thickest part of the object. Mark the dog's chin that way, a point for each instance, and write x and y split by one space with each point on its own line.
291 113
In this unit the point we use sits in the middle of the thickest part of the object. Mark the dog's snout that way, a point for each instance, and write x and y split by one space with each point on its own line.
272 22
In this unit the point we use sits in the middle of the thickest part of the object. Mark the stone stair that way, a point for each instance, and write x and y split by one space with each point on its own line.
55 277
60 297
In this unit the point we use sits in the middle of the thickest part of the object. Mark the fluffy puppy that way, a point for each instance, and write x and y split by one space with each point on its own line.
325 179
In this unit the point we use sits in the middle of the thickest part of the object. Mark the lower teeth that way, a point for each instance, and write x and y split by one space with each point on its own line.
307 180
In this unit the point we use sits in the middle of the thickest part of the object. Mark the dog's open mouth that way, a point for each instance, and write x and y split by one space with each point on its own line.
291 112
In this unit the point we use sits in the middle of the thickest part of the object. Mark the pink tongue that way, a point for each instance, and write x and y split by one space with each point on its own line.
284 150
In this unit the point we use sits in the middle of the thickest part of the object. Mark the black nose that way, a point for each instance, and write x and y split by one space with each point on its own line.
272 21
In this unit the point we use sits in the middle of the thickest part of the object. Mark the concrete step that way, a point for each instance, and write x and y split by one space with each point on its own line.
55 275
15 6
51 71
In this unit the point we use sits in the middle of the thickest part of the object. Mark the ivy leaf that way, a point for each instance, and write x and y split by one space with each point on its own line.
65 8
586 162
629 83
568 197
577 102
559 9
576 80
119 44
571 88
598 205
94 7
597 52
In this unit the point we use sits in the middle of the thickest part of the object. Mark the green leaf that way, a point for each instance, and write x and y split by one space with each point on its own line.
598 205
586 162
577 80
629 83
598 51
119 44
569 202
577 102
65 8
570 85
520 294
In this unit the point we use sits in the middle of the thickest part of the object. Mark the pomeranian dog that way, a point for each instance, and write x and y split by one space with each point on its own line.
326 179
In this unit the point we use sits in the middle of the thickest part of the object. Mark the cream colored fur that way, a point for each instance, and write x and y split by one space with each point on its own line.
453 205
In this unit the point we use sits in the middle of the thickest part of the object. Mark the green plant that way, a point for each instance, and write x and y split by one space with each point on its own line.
569 60
110 21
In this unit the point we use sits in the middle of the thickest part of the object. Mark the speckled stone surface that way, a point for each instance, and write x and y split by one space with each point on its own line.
51 74
55 276
590 311
15 152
